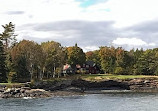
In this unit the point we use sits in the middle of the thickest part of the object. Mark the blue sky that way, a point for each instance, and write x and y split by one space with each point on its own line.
90 23
87 3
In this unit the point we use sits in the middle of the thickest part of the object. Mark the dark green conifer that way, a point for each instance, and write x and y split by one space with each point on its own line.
3 69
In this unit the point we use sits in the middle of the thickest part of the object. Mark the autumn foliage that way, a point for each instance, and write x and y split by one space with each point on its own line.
27 60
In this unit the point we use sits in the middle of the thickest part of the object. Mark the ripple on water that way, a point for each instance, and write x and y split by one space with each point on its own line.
89 102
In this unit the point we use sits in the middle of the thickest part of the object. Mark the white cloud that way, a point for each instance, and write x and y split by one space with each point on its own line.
129 41
123 13
152 44
89 48
40 34
127 12
132 43
37 11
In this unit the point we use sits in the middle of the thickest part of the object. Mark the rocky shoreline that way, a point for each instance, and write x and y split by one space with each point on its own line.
23 92
79 87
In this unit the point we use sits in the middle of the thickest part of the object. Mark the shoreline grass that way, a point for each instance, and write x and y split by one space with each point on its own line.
98 77
88 77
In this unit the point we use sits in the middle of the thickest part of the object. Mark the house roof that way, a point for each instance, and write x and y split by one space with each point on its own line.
67 66
78 66
90 63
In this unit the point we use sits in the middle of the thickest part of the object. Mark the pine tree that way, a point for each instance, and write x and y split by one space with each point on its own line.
3 69
7 36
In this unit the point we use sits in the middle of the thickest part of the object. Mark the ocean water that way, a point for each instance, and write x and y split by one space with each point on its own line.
89 102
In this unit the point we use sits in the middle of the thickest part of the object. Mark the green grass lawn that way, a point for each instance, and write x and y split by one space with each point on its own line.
98 77
88 77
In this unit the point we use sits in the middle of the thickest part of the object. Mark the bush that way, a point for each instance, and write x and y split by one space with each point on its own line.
156 72
119 70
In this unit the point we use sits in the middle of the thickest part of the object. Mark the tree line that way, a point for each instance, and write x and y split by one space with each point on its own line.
119 61
27 60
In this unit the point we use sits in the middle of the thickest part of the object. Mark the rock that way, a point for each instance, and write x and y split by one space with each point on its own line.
79 86
98 78
1 90
17 90
26 88
74 89
147 81
37 90
7 91
22 90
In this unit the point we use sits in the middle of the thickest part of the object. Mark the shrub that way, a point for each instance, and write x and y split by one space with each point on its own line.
118 70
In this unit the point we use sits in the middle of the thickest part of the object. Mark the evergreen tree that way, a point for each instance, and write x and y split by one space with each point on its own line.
3 69
7 36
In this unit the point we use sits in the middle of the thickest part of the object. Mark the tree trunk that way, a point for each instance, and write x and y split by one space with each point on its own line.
6 44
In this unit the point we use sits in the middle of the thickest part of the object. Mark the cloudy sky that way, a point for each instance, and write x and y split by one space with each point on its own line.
90 23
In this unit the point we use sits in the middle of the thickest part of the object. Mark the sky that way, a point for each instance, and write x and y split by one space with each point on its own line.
89 23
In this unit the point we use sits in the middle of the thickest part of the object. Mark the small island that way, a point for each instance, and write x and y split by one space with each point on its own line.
36 70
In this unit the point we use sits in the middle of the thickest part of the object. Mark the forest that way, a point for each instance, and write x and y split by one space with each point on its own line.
26 60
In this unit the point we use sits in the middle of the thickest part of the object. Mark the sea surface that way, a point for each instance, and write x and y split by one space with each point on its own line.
88 102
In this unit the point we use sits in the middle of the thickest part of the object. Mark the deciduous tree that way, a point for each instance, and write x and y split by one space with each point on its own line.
75 55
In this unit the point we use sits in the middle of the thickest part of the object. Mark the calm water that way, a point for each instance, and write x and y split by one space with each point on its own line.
91 102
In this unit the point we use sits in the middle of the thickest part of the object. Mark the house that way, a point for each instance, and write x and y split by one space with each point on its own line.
91 68
67 69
